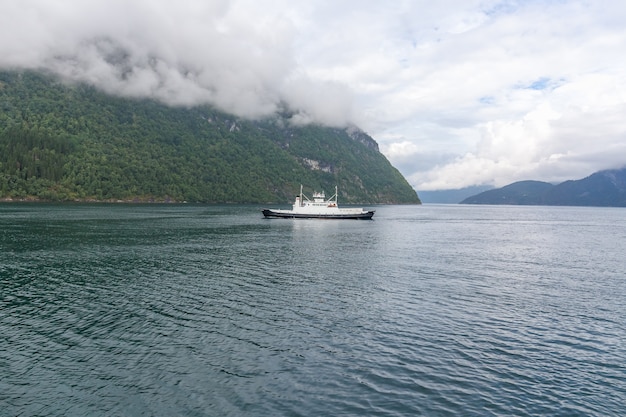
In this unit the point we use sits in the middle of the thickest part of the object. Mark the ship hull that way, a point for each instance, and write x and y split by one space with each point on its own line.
286 214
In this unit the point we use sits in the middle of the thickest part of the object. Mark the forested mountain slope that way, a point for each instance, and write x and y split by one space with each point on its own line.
63 142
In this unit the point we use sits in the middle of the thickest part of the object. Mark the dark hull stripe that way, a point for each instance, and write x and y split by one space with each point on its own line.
362 216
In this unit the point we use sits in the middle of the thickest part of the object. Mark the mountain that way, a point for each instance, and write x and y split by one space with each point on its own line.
451 196
603 188
68 142
522 193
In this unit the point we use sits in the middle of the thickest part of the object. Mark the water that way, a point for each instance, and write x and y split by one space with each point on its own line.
187 310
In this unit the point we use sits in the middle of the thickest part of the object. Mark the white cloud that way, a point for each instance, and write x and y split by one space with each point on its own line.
456 92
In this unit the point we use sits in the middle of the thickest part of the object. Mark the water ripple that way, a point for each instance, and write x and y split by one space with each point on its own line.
195 310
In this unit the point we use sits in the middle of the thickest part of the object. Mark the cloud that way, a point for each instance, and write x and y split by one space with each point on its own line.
325 102
456 92
529 93
187 53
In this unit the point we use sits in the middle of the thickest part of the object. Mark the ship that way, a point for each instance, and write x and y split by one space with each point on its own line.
318 208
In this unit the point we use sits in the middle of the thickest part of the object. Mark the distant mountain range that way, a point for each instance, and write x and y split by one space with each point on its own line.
451 196
603 188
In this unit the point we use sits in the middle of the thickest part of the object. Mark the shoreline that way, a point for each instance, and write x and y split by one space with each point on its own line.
91 200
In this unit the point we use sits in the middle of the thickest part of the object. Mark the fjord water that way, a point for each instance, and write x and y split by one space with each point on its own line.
434 310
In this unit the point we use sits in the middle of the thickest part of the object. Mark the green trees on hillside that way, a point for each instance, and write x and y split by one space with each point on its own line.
71 142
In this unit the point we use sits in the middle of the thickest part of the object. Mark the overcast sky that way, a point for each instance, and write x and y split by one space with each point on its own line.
456 92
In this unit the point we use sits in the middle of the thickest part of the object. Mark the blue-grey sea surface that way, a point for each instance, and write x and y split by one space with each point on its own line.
195 310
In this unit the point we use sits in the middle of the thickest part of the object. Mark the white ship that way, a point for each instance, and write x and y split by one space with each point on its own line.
318 208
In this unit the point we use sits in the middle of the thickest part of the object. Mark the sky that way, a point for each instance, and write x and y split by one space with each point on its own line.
456 92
